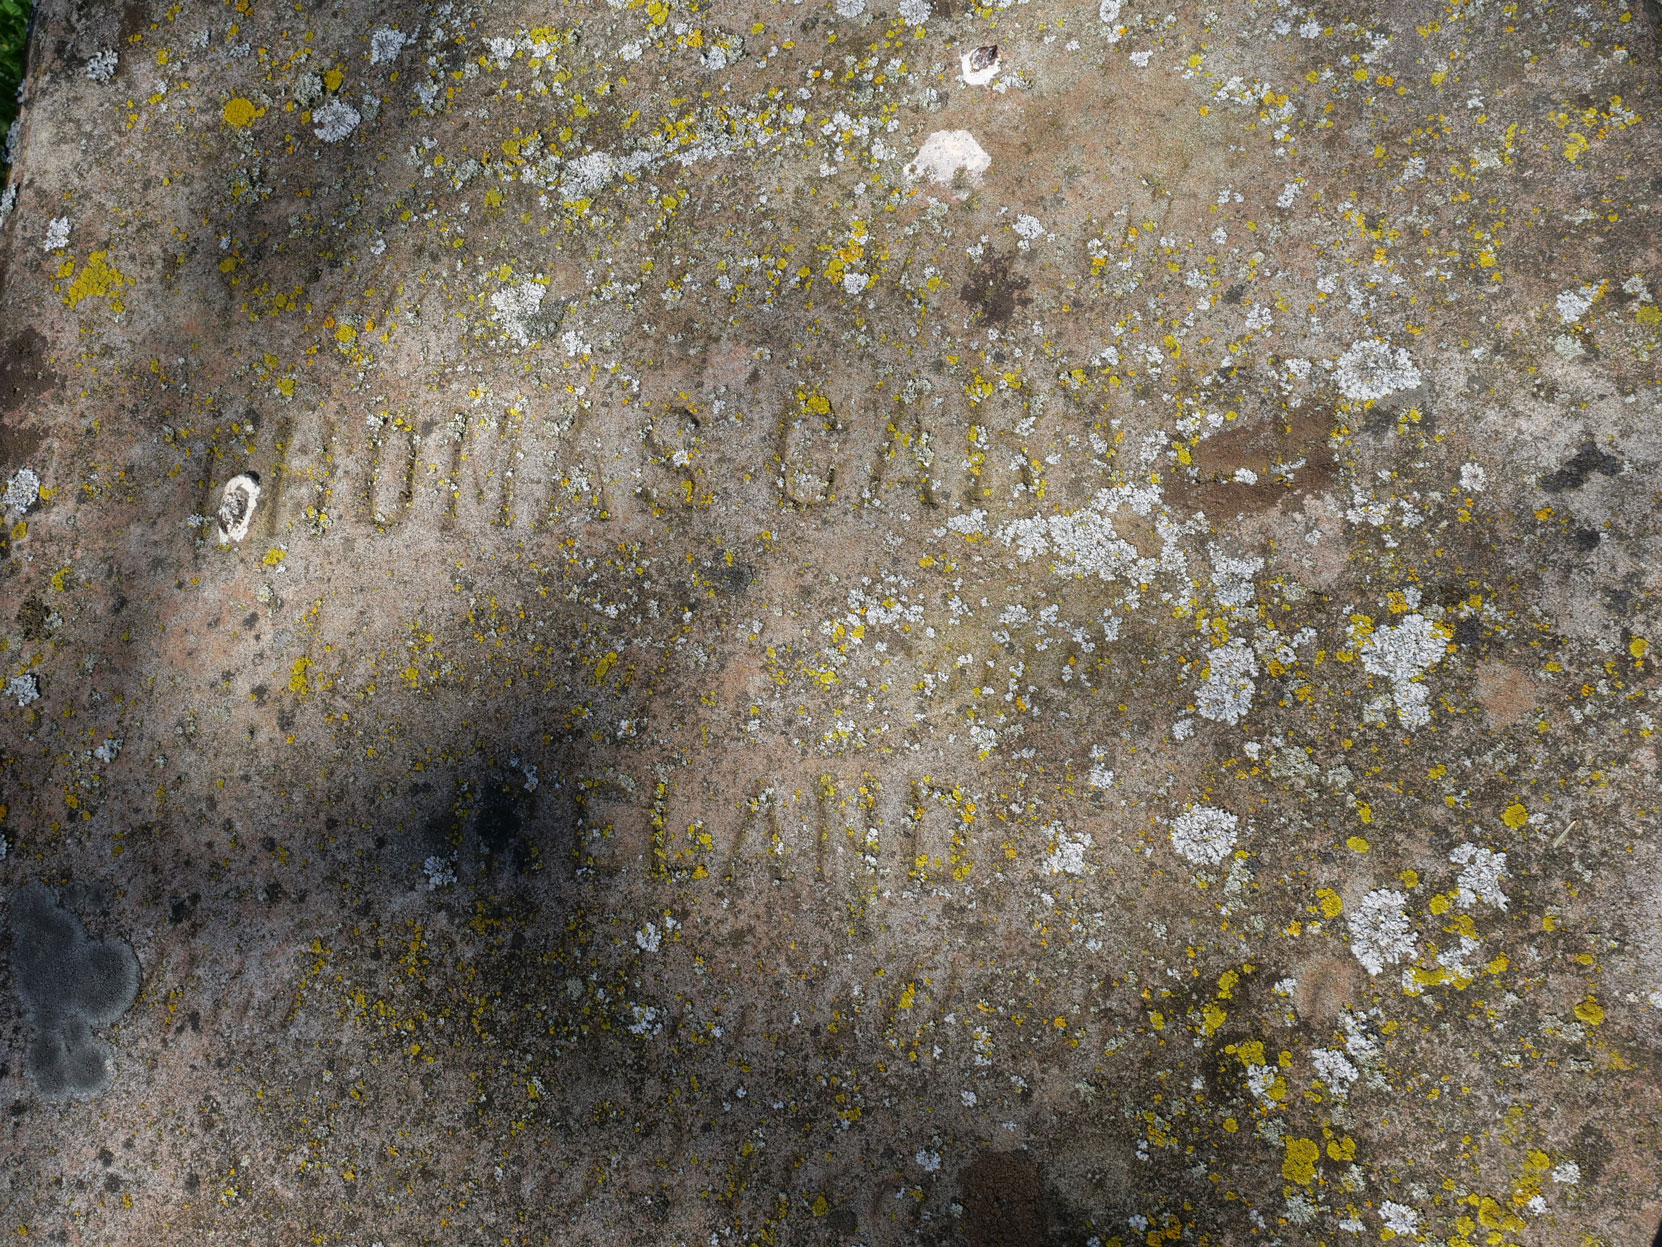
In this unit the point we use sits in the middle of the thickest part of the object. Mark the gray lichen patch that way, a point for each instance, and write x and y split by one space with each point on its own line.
70 984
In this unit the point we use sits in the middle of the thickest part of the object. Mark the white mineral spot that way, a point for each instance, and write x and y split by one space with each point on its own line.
236 507
946 152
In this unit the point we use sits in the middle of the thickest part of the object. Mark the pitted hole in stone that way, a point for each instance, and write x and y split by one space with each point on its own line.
236 506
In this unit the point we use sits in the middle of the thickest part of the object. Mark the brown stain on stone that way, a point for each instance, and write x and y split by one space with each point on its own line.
1258 447
24 376
1504 692
1325 986
1004 1203
1140 531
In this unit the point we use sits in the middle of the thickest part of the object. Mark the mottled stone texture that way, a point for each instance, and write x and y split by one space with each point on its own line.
1108 698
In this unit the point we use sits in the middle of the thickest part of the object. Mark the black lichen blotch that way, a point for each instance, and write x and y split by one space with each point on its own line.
70 984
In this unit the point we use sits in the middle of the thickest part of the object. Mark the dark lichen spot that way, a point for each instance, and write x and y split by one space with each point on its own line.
994 289
179 908
1577 471
68 983
32 617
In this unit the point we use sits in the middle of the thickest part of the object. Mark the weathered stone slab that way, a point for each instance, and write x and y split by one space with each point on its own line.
1091 685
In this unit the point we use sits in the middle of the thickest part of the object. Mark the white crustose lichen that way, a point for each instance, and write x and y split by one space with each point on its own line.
1204 835
1380 932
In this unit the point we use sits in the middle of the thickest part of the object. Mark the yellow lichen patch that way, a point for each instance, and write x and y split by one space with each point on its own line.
1332 904
1590 1012
1356 844
297 675
1491 1216
98 280
1515 815
1299 1164
240 113
1249 1053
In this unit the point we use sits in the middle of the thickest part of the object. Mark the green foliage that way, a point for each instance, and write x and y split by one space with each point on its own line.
14 34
